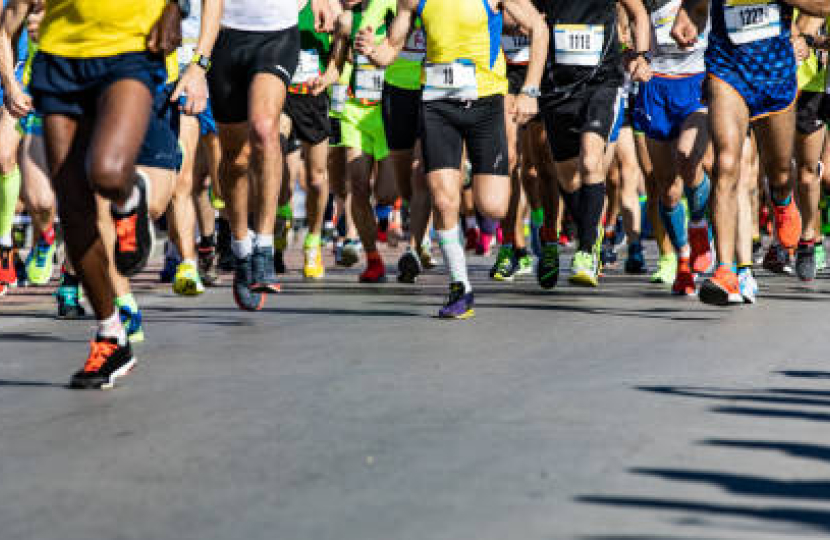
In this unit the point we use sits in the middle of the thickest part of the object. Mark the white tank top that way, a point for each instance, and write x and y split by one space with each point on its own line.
668 58
260 15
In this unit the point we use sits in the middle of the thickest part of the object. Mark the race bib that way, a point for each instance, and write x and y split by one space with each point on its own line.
751 20
339 94
516 49
368 80
415 48
578 44
308 67
454 80
186 51
662 20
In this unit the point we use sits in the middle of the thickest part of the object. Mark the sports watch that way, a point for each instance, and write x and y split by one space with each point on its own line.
532 92
201 60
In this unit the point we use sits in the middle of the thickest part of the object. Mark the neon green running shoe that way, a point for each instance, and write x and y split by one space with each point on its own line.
821 257
666 269
187 281
524 265
39 263
503 269
584 271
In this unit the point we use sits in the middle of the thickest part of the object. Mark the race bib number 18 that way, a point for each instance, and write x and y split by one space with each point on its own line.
578 44
454 80
368 80
751 20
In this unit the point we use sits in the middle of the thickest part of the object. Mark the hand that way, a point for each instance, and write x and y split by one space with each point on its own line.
800 48
318 85
364 42
684 31
17 102
524 109
166 35
639 69
193 85
323 16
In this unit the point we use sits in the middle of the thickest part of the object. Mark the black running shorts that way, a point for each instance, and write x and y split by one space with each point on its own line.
812 112
449 125
309 117
239 55
401 110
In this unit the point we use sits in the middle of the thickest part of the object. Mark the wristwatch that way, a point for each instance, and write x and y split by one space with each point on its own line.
201 60
184 7
532 92
645 54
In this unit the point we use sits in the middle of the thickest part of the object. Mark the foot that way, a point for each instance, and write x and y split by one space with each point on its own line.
805 261
68 295
39 263
703 258
608 254
134 234
821 256
350 254
787 224
684 280
666 269
262 271
8 274
585 269
131 320
777 260
207 266
524 263
721 289
313 268
504 269
547 270
168 271
108 360
472 238
747 285
246 298
187 281
636 262
459 304
427 260
485 243
375 270
409 267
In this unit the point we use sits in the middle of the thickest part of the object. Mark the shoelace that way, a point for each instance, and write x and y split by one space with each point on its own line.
125 230
98 354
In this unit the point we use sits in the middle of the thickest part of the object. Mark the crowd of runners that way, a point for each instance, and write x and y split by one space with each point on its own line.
518 126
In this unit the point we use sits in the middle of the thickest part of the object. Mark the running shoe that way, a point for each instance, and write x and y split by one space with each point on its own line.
131 320
375 269
703 258
246 298
459 304
747 285
207 265
409 267
805 261
787 224
187 281
485 243
536 240
108 360
4 289
524 263
313 268
721 289
427 260
39 263
547 269
262 271
68 294
134 234
608 253
8 274
226 260
505 266
821 257
757 252
777 260
168 270
472 237
350 254
666 269
636 262
684 280
584 269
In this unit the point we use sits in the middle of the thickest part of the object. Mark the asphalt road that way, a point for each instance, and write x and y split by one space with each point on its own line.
349 412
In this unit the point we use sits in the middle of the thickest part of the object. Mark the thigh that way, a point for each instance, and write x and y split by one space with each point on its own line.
266 99
728 122
775 140
229 78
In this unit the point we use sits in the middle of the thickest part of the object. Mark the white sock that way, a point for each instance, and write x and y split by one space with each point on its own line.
242 248
264 240
6 240
470 221
130 204
111 327
453 252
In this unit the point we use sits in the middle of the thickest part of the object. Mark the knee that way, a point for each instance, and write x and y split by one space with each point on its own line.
446 204
492 206
265 133
808 174
234 164
109 176
727 166
317 179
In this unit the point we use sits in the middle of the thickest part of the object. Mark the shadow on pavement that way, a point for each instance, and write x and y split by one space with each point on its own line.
31 384
806 374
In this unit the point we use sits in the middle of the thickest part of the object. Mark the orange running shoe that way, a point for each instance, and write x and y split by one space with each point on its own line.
684 281
375 270
787 224
108 360
722 289
702 257
8 275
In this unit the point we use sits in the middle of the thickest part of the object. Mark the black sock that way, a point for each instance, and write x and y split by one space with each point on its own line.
207 241
572 202
590 213
520 252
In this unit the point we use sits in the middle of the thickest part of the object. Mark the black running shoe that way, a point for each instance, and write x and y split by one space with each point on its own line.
279 262
608 254
547 270
207 266
409 267
246 298
777 260
108 360
805 261
636 262
134 235
224 252
262 266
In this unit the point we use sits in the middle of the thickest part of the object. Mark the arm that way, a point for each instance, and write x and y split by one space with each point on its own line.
638 66
338 55
324 14
14 14
531 22
193 82
804 26
384 53
818 8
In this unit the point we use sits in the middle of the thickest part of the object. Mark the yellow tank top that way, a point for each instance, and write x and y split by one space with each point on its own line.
97 28
466 30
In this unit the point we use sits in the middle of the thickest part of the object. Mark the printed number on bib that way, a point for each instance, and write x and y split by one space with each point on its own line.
415 48
454 80
308 67
747 22
516 49
368 80
339 93
578 44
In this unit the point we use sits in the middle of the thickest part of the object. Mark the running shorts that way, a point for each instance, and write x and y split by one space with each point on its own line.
160 148
812 112
592 109
663 104
401 110
309 117
361 127
515 79
238 56
449 125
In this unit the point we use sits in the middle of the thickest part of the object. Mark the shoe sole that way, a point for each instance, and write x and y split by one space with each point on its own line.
266 289
499 277
187 288
349 260
307 277
714 295
373 281
469 314
258 305
583 280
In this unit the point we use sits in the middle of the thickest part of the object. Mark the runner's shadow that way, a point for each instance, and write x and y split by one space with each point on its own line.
4 383
36 337
805 374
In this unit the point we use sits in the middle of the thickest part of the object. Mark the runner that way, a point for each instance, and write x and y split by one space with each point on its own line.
582 108
463 103
751 80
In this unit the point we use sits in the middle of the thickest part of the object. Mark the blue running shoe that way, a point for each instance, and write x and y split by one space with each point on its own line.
168 271
459 304
636 262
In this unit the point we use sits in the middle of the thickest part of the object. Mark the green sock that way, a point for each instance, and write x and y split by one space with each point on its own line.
285 212
9 192
537 217
127 300
311 240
